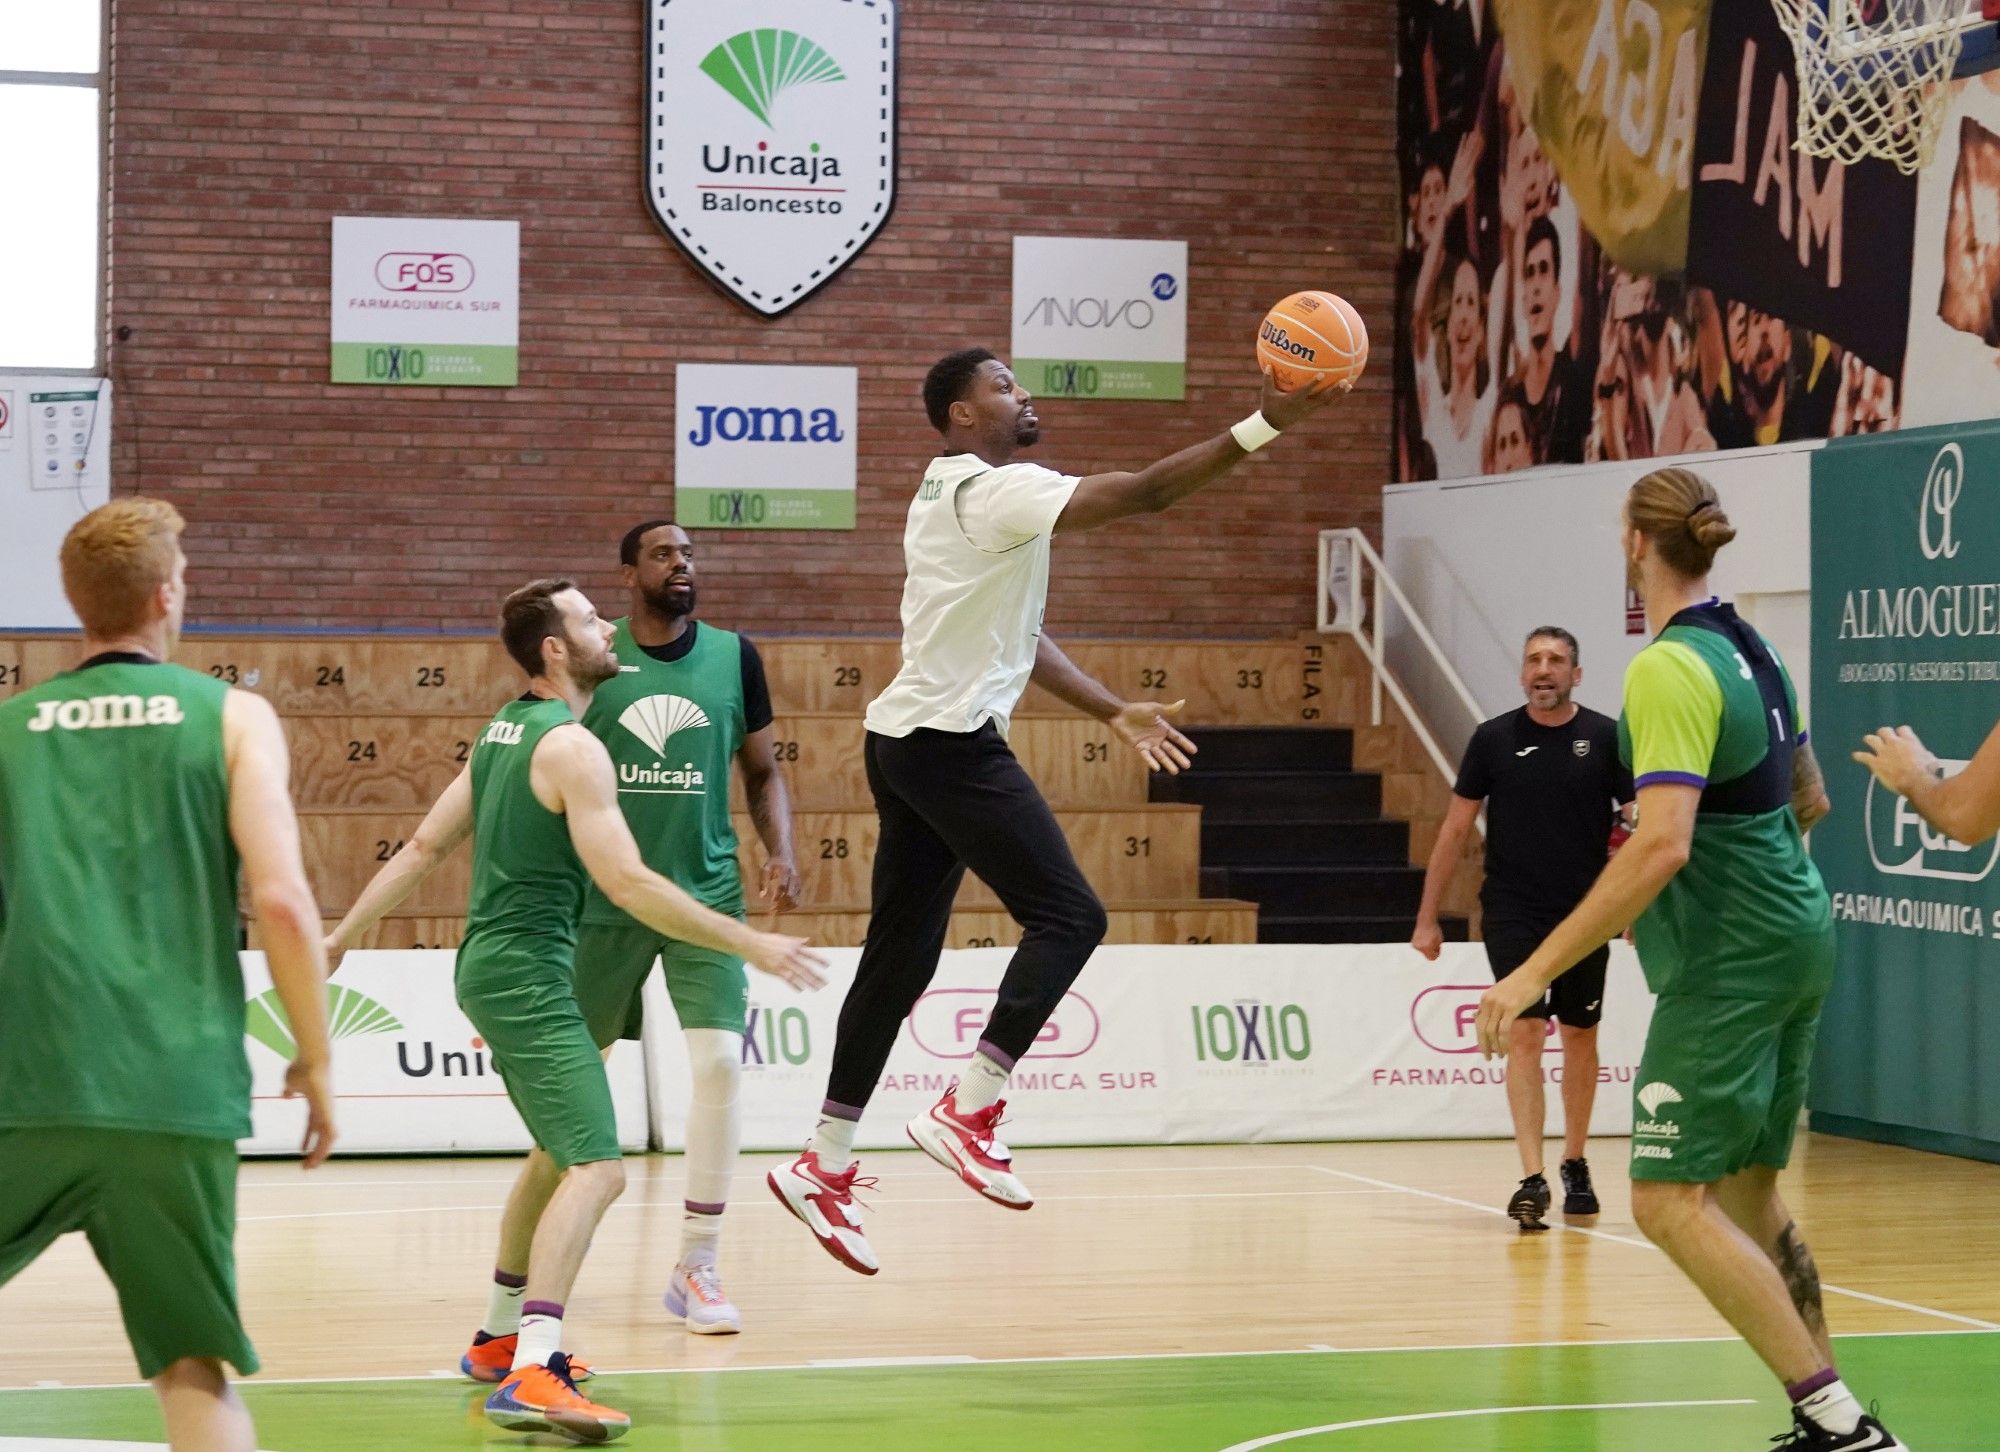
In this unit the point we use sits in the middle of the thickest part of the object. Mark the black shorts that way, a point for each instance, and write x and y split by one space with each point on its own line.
1576 998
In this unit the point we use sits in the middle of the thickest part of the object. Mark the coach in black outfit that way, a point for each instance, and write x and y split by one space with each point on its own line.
1551 778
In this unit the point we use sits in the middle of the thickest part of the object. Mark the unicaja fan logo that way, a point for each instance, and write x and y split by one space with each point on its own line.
349 1015
657 719
1942 486
1654 1095
759 66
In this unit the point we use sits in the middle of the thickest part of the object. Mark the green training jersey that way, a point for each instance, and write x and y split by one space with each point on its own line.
673 728
119 973
1708 704
527 881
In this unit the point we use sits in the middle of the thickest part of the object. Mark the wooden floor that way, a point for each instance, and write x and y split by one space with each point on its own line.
379 1268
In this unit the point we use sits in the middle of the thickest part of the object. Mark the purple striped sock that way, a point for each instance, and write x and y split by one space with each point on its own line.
551 1309
833 1109
1800 1390
1001 1057
511 1281
696 1207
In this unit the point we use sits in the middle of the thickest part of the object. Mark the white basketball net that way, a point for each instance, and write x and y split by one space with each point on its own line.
1873 84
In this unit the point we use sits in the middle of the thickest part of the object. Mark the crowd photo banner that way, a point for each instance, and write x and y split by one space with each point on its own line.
1906 630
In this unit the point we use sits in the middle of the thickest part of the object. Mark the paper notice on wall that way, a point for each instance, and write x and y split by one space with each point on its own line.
65 451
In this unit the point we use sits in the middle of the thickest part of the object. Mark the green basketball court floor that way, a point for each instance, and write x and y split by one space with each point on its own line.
1936 1391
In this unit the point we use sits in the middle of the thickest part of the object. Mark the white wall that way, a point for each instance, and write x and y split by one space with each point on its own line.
34 521
1486 560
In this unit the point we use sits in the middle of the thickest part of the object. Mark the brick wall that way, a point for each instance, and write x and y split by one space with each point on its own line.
1259 130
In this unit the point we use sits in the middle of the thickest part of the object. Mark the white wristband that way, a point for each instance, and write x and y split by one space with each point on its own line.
1253 433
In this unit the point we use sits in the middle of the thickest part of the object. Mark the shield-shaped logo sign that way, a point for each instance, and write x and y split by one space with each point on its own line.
771 138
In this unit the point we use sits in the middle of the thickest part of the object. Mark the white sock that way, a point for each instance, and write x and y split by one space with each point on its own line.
1833 1408
541 1338
503 1309
833 1142
980 1086
701 1237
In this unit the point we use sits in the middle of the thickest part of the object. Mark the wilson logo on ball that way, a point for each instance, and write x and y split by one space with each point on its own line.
1284 342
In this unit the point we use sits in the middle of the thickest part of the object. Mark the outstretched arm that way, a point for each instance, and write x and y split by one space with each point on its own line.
448 823
1965 807
1101 498
1142 725
578 768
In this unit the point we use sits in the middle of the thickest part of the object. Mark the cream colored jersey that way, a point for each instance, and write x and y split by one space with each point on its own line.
976 549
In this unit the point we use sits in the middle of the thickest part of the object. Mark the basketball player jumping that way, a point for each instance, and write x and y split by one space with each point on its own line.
540 803
949 793
130 790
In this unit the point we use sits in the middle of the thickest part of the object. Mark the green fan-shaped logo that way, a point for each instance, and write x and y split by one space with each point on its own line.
759 66
348 1015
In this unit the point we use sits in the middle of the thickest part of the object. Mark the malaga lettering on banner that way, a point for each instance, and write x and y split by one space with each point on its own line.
1819 244
771 138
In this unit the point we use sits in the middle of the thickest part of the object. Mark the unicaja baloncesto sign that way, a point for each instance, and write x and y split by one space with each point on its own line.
770 153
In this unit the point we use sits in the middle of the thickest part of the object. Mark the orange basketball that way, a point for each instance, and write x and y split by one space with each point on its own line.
1311 335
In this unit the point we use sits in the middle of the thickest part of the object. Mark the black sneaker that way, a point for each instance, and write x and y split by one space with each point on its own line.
1578 1196
1809 1436
1530 1203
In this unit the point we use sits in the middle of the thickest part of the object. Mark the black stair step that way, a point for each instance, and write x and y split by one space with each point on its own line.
1324 890
1249 796
1303 842
1277 928
1272 748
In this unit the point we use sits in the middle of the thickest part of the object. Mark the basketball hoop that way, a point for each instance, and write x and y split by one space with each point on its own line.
1873 75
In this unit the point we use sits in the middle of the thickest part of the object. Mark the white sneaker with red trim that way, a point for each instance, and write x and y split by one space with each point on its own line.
965 1145
825 1202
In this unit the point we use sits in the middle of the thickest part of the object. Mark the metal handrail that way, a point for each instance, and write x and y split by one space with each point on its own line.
1342 587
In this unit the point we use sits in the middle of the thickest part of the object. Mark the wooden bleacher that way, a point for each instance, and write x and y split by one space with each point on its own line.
379 725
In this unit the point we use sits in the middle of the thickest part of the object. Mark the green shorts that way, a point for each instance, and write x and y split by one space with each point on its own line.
1721 1085
710 990
160 1212
542 1048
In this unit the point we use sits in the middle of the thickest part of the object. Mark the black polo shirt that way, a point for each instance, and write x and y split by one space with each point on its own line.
1551 793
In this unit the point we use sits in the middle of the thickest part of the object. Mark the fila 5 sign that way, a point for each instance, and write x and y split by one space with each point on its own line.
771 138
426 301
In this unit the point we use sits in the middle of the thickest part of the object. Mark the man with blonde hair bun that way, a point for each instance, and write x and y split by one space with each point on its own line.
1735 933
130 792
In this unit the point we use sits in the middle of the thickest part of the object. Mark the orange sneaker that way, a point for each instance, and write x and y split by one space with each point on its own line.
545 1399
490 1358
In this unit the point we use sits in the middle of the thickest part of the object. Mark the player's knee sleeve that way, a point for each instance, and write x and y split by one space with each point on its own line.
715 1065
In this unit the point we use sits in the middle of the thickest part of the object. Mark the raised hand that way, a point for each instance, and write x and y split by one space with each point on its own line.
1282 409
